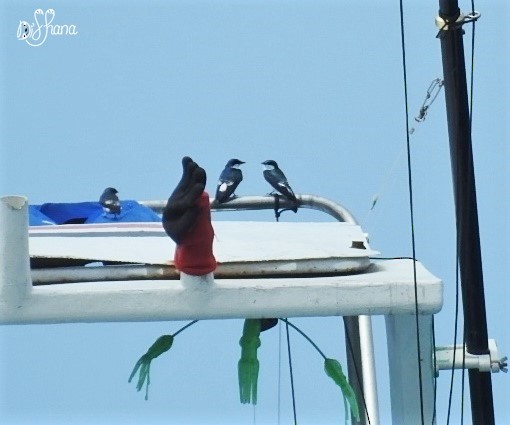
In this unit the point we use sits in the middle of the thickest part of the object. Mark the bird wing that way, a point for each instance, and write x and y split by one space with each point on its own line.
286 189
229 177
285 185
223 185
227 184
277 179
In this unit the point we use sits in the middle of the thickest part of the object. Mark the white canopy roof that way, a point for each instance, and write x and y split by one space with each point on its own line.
325 247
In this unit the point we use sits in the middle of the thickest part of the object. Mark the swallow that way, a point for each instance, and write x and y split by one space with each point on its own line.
275 177
229 179
110 201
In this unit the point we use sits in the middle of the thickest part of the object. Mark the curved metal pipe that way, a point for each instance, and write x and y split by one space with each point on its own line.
313 202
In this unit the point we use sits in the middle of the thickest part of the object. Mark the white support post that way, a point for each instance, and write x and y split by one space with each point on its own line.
361 366
403 365
15 279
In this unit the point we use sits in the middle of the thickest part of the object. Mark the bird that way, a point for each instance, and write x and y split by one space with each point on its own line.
110 201
229 179
275 177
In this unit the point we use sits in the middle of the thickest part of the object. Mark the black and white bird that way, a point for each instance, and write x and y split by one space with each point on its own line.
229 179
277 179
110 201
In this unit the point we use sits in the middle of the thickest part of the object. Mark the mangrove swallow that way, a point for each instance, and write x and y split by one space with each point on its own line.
277 179
229 179
110 201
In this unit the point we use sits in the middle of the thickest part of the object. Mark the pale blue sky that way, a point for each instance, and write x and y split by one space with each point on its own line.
315 85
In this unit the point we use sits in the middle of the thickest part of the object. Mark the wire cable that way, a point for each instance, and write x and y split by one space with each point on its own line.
430 97
472 18
411 210
463 376
291 374
279 370
471 84
471 90
457 247
434 365
450 395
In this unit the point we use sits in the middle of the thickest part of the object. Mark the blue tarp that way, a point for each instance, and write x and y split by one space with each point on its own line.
88 212
37 218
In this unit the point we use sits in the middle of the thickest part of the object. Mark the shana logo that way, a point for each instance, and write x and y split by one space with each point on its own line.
36 33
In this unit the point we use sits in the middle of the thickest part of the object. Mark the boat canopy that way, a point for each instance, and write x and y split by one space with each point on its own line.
88 212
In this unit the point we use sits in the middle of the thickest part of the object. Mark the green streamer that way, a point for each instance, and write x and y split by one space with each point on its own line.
248 366
162 345
334 371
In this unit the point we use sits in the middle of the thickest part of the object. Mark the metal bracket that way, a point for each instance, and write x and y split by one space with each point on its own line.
444 24
492 362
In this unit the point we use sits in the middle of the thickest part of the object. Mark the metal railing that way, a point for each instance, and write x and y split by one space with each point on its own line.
314 202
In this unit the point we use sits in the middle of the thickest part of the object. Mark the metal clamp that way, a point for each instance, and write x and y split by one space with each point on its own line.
491 362
444 24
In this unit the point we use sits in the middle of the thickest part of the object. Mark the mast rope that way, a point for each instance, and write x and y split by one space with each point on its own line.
291 373
434 365
463 376
454 330
471 85
279 369
411 209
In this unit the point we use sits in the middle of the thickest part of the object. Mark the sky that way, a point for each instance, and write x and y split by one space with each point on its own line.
315 85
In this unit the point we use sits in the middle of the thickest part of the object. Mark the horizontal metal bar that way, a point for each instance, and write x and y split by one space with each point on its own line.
492 362
387 289
234 270
314 202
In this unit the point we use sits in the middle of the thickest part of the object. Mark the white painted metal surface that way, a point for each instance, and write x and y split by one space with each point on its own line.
403 363
384 287
387 288
15 282
235 242
361 366
493 362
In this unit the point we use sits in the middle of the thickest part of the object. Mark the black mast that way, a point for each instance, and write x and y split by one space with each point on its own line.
468 237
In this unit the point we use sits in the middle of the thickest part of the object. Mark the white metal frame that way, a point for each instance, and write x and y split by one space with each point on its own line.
387 288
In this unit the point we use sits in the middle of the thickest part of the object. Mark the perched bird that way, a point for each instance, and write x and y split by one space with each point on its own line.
277 179
110 201
229 179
